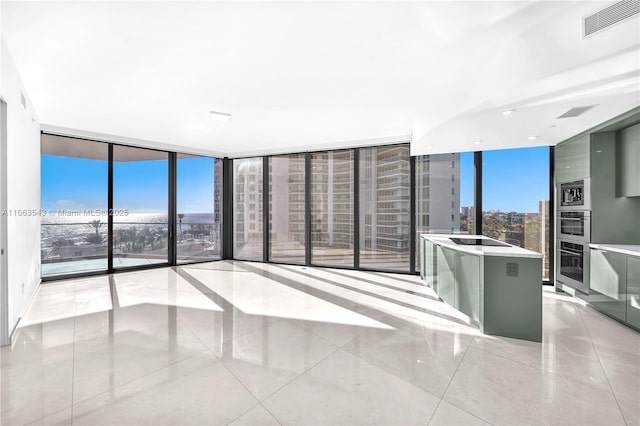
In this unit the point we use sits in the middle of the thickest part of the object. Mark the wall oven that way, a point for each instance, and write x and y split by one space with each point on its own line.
573 264
574 195
574 224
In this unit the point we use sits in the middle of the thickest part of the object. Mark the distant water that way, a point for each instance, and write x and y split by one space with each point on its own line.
84 219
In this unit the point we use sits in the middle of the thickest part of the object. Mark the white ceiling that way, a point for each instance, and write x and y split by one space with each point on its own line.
298 76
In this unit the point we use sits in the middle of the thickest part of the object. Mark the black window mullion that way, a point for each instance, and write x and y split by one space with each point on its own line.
110 208
356 208
172 240
412 215
477 192
307 208
227 208
265 209
550 217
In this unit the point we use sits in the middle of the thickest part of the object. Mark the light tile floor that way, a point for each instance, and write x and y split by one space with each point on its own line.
252 343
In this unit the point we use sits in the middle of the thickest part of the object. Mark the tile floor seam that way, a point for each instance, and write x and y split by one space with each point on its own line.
407 305
553 373
243 413
298 377
272 415
386 286
274 320
363 292
393 277
146 375
380 367
328 297
239 381
615 397
449 384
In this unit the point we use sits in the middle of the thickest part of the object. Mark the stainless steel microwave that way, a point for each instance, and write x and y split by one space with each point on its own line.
575 195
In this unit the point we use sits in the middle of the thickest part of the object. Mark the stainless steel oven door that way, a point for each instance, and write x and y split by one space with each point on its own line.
573 264
574 225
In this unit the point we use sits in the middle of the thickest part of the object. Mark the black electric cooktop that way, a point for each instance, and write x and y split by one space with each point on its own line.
477 242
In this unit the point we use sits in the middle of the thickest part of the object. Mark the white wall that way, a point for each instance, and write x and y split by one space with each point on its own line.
23 189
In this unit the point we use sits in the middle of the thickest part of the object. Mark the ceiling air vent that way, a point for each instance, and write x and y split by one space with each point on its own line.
609 16
576 111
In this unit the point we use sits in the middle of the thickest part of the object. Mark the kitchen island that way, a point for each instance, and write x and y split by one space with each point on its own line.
496 285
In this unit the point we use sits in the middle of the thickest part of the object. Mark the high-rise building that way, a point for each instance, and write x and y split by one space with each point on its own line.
543 207
438 193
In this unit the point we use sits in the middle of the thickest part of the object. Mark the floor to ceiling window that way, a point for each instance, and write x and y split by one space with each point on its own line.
287 208
248 219
385 207
515 198
74 205
140 206
198 192
332 202
444 194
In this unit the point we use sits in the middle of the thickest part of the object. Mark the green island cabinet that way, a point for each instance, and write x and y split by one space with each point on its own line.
633 291
615 284
501 294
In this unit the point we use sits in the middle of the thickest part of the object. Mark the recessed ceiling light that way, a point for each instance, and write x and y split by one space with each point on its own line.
508 112
477 142
553 125
533 137
220 116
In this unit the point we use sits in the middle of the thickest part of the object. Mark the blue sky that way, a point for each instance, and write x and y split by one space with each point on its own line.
142 186
514 180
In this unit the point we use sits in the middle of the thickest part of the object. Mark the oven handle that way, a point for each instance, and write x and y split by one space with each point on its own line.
578 253
571 218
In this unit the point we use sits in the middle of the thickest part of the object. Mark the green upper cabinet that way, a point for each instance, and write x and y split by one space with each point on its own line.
572 160
628 161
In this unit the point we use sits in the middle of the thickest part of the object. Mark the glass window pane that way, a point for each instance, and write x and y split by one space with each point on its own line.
444 195
332 208
140 202
199 189
74 198
385 207
247 209
515 198
287 208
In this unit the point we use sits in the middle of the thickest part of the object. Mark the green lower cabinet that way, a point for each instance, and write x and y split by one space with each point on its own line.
467 290
633 291
446 275
428 263
608 283
512 297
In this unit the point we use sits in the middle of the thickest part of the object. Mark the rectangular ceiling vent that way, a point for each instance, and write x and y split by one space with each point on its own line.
576 111
609 16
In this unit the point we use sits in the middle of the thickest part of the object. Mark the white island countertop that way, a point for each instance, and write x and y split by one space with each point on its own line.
509 251
628 249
